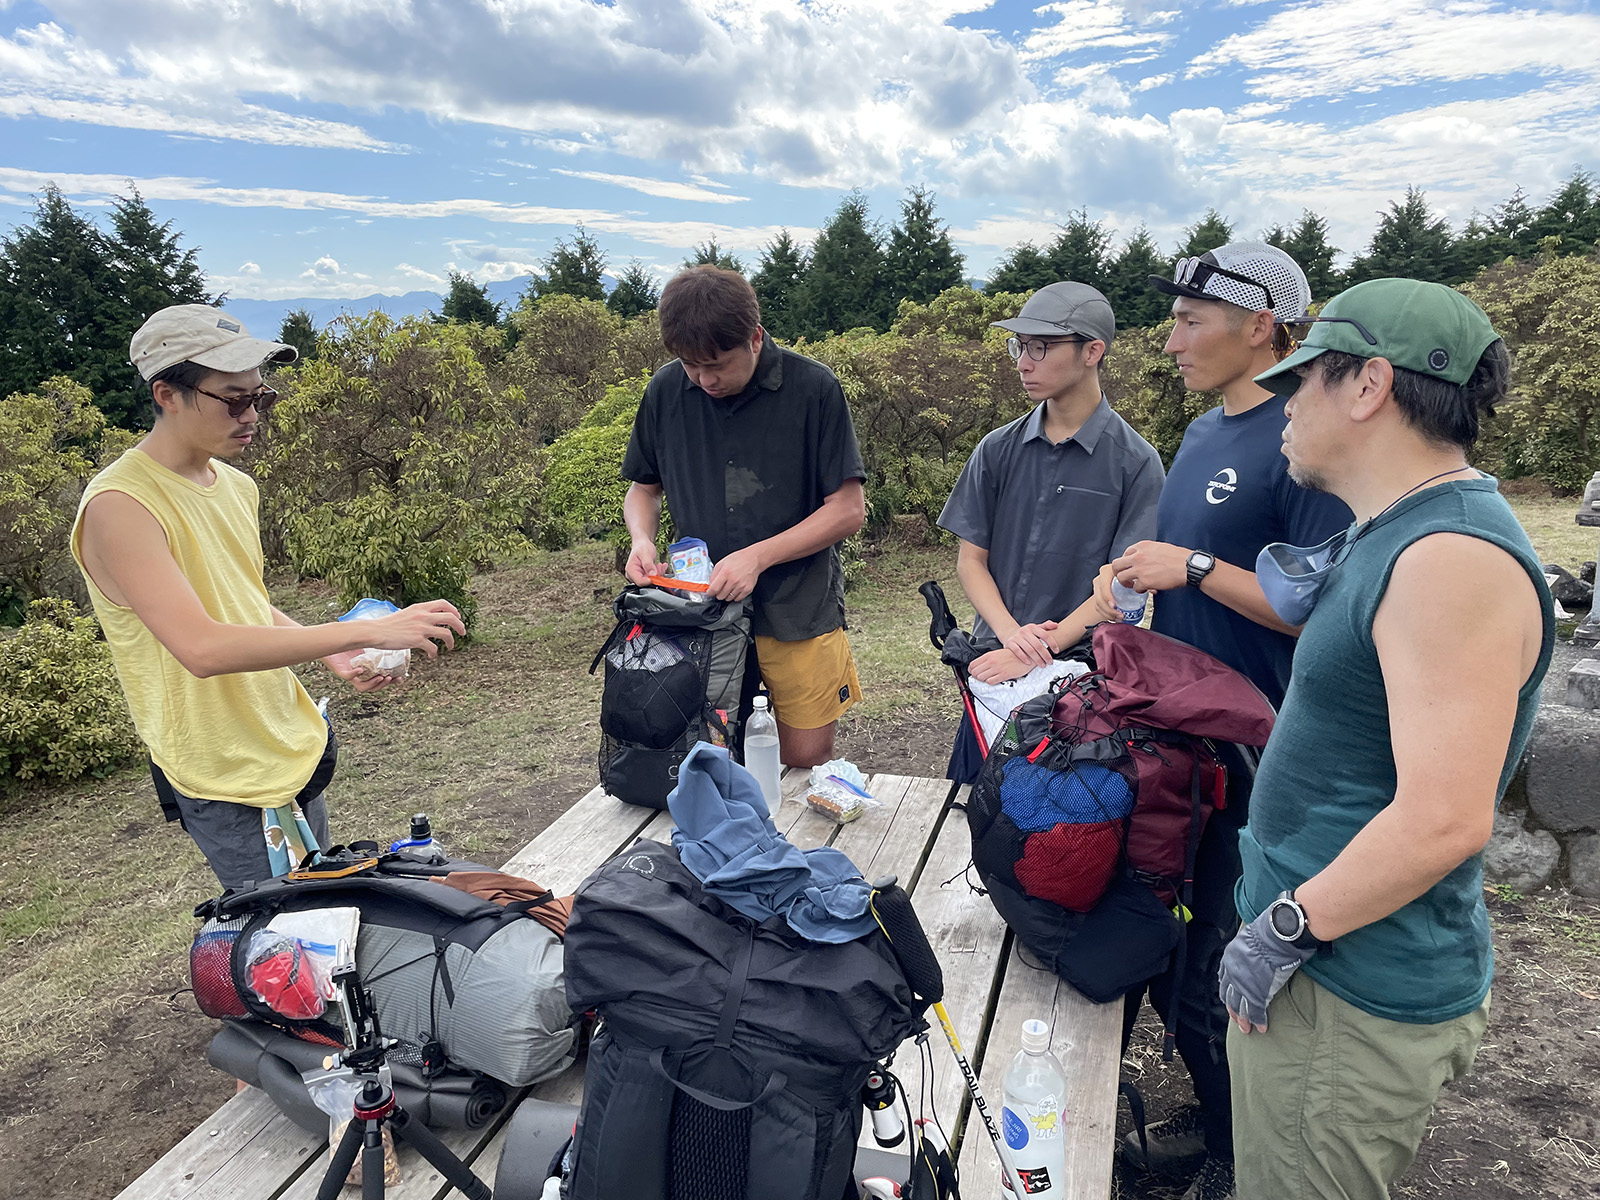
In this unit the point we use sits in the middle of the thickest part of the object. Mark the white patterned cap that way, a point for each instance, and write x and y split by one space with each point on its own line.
1253 275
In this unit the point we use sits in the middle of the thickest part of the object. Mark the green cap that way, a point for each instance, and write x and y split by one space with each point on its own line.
1424 327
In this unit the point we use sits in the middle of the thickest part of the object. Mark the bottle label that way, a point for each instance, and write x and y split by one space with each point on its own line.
1014 1127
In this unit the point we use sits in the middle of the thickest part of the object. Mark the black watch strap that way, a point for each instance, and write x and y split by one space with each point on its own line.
1196 575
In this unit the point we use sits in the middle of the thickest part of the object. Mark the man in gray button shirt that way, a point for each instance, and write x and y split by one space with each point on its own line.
1048 500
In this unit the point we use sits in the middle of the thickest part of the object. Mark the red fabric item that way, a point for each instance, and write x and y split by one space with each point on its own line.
1158 681
1070 864
285 983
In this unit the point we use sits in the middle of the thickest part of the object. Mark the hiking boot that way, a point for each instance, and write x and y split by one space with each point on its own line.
1215 1181
1177 1144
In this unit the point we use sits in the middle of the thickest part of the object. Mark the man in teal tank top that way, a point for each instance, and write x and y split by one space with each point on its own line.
1359 984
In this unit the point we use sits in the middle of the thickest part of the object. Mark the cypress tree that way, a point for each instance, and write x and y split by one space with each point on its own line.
636 292
1209 232
575 268
1411 242
1135 302
777 283
843 286
921 260
468 302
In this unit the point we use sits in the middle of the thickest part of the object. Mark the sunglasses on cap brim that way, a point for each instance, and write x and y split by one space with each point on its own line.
1194 273
1298 329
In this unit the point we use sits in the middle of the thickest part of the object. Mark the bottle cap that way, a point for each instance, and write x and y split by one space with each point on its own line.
421 830
759 703
1035 1037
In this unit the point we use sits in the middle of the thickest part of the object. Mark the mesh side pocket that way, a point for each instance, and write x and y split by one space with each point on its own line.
655 687
211 969
708 1155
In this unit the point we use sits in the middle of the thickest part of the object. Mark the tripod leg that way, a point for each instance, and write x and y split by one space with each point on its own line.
442 1158
343 1158
372 1162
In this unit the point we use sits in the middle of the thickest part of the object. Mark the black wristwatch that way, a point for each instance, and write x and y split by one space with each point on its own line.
1288 921
1199 565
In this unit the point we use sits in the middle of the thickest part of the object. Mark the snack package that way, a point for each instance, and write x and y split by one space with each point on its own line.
394 663
334 1092
691 560
839 791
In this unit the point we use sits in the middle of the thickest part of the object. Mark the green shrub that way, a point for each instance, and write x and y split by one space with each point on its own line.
52 441
583 484
62 714
1548 311
395 466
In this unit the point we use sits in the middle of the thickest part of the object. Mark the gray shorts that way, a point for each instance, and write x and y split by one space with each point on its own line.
230 835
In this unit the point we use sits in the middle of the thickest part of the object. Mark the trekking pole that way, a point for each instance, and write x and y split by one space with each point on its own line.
891 908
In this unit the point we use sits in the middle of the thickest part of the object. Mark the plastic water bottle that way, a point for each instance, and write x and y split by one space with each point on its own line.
1129 602
761 752
1030 1122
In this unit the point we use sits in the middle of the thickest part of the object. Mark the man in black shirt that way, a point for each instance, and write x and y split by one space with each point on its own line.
753 448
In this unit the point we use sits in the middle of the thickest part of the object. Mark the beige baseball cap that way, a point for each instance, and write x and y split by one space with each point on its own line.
200 334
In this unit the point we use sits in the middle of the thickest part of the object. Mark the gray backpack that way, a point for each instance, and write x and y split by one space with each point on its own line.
674 673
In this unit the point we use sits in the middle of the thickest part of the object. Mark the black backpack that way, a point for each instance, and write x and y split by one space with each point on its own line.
675 667
731 1055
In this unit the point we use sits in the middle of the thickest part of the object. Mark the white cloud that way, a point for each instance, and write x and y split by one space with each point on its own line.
249 268
663 188
325 267
1083 25
1306 51
410 272
92 188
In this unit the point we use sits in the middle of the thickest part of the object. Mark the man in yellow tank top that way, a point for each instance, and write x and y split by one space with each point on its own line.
168 539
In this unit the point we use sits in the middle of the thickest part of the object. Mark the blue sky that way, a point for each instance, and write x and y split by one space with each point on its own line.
341 147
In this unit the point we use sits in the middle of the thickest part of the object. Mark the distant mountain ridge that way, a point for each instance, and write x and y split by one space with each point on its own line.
265 317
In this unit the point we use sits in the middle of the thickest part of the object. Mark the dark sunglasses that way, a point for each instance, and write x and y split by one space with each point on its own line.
1299 328
262 401
1194 272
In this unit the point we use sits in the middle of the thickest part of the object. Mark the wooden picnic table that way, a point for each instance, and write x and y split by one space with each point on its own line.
248 1150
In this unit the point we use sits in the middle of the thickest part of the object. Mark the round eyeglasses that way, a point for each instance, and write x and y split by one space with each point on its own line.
1037 348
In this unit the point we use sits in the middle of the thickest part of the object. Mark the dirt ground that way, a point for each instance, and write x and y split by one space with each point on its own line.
1526 1122
503 735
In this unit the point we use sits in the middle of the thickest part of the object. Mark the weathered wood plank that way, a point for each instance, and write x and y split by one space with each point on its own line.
967 935
579 840
245 1148
1087 1039
893 839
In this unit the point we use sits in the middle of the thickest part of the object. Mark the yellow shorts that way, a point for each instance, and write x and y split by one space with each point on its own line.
812 682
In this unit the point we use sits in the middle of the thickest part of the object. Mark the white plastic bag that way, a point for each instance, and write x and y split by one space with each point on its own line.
394 663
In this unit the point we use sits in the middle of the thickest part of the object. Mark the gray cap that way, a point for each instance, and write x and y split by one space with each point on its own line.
1062 310
200 334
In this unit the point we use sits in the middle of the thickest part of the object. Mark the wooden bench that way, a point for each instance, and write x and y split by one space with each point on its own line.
247 1150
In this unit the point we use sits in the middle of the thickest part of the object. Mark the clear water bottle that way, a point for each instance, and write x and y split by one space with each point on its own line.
1129 602
1035 1088
761 752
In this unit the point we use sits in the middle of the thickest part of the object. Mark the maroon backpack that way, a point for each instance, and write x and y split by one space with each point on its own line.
1092 804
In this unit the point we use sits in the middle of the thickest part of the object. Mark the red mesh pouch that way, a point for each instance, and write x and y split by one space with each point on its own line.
211 969
1071 864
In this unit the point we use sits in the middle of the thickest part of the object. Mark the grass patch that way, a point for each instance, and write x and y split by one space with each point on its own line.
1555 535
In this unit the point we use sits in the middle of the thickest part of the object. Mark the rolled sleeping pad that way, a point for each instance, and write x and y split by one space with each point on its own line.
274 1061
